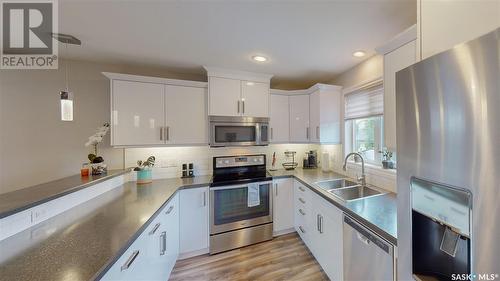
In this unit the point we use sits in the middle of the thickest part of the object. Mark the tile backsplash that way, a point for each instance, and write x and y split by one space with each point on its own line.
169 160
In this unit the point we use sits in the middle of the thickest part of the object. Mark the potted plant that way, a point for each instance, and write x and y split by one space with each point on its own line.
97 164
387 162
144 170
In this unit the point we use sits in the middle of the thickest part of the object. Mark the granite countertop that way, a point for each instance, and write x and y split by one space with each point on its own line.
379 213
82 242
22 199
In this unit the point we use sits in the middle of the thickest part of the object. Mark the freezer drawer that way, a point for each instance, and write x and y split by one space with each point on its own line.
366 256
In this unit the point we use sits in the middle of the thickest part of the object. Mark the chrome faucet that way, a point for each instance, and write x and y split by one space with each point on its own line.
362 178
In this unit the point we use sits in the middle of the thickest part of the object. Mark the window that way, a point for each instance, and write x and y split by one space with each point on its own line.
364 123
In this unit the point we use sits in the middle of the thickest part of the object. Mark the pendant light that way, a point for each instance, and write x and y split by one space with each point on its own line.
66 96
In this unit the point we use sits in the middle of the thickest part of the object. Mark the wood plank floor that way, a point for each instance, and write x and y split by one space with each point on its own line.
284 258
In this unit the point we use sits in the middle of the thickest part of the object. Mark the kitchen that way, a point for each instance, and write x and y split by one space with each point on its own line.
342 141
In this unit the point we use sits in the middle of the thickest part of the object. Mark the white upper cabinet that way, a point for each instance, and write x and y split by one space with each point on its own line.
279 122
186 121
237 93
148 111
324 112
137 114
255 99
444 24
299 119
225 96
398 53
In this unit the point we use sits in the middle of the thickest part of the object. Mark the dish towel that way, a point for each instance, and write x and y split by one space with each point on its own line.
253 195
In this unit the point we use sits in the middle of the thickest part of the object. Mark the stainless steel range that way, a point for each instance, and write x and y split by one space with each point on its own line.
240 202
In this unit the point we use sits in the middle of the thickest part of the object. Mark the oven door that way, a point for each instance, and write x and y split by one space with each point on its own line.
229 209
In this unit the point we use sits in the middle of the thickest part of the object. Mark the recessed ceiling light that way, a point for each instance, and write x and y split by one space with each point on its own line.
359 54
259 58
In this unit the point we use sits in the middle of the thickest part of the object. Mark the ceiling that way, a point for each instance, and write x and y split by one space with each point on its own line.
306 41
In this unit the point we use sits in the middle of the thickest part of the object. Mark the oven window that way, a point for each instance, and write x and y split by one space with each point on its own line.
230 205
234 134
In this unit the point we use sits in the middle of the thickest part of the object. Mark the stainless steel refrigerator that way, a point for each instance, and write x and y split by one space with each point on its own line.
448 149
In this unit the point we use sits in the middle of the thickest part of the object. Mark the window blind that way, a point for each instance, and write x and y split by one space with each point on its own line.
365 103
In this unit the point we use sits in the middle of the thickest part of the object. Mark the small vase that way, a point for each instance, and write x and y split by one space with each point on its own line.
145 176
98 168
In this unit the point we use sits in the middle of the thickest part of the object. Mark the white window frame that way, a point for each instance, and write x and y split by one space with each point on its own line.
349 128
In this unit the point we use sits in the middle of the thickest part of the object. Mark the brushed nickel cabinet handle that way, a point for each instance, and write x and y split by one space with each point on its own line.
276 189
307 132
169 210
320 224
168 133
161 133
317 222
163 243
302 212
130 260
317 132
204 198
154 229
301 189
301 229
238 106
243 107
302 200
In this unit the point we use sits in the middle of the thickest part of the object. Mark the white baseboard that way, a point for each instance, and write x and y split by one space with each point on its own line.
283 232
183 256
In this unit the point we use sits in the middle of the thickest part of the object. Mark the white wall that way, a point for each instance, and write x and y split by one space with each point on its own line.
35 146
367 71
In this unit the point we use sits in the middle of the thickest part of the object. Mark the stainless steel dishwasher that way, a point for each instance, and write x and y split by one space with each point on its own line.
366 255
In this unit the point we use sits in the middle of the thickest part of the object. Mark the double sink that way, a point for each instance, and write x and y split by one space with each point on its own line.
347 190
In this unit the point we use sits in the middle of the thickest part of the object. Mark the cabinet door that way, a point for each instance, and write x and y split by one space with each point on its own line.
194 217
394 61
444 24
283 215
255 99
137 113
299 119
314 116
330 248
279 119
171 214
224 96
330 106
186 119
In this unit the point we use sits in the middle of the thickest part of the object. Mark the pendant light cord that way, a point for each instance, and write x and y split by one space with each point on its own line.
66 68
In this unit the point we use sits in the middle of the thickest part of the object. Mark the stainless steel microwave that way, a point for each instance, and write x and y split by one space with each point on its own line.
238 131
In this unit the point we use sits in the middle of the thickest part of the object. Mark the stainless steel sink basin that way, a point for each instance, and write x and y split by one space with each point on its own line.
335 184
355 192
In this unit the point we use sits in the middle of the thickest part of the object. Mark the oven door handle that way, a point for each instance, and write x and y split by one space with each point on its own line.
238 186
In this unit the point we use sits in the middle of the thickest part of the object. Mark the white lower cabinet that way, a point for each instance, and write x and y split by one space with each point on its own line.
283 217
194 217
319 224
153 254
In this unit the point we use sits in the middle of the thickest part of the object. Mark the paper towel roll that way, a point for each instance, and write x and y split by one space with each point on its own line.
325 162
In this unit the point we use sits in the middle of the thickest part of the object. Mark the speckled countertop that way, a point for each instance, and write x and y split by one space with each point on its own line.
84 241
379 213
22 199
